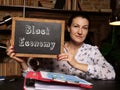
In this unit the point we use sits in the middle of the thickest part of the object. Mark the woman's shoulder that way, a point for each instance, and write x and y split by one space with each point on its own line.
88 46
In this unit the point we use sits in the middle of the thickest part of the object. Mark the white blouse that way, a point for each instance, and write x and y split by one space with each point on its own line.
98 67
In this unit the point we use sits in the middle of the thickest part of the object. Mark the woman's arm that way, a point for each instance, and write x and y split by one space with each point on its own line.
71 60
97 68
100 69
21 61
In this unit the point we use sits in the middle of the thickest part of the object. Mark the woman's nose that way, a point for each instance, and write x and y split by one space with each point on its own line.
80 31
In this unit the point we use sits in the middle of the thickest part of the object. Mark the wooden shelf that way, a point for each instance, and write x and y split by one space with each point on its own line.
31 8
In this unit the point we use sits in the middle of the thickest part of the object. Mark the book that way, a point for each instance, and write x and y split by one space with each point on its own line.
64 78
74 5
67 5
59 4
43 80
54 86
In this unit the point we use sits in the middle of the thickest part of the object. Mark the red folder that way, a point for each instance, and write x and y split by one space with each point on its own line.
39 76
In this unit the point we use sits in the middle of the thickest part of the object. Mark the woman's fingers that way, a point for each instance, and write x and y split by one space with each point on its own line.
11 54
63 56
10 51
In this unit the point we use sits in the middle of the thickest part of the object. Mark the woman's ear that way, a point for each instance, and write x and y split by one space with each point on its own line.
68 28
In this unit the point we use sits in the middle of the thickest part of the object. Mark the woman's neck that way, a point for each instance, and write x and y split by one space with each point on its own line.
73 47
73 44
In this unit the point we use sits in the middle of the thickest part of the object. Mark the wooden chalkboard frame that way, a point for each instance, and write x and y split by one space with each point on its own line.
36 20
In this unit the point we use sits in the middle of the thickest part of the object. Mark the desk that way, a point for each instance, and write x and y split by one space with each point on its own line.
105 85
97 85
11 84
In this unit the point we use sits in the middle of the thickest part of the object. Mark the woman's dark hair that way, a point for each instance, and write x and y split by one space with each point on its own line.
83 15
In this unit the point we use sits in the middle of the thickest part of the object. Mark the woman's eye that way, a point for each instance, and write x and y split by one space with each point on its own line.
78 26
85 27
75 26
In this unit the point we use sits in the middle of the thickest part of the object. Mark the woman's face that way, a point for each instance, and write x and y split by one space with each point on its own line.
78 29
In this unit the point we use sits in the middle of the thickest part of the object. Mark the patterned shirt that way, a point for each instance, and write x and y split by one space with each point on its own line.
98 67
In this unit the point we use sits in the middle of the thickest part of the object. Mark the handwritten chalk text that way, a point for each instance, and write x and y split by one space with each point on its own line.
25 43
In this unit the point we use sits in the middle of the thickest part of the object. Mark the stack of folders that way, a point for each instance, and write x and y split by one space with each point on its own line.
54 81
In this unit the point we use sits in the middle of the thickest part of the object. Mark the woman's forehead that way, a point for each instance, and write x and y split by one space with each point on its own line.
80 20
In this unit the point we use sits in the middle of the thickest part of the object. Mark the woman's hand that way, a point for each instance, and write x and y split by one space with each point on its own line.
70 58
67 56
21 61
11 53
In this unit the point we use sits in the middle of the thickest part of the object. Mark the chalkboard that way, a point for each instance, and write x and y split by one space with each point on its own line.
34 37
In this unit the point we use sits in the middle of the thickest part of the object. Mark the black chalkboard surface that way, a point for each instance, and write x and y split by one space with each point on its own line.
33 37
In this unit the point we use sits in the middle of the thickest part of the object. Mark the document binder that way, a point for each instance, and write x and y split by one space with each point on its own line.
51 77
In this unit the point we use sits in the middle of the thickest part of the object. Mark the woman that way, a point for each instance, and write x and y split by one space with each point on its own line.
78 58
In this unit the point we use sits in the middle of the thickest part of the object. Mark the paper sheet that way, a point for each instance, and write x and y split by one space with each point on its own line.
54 86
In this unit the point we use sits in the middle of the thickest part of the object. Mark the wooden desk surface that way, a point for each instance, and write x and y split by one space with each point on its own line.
12 84
105 85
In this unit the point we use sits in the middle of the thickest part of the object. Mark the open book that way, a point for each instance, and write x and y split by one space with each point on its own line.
46 80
